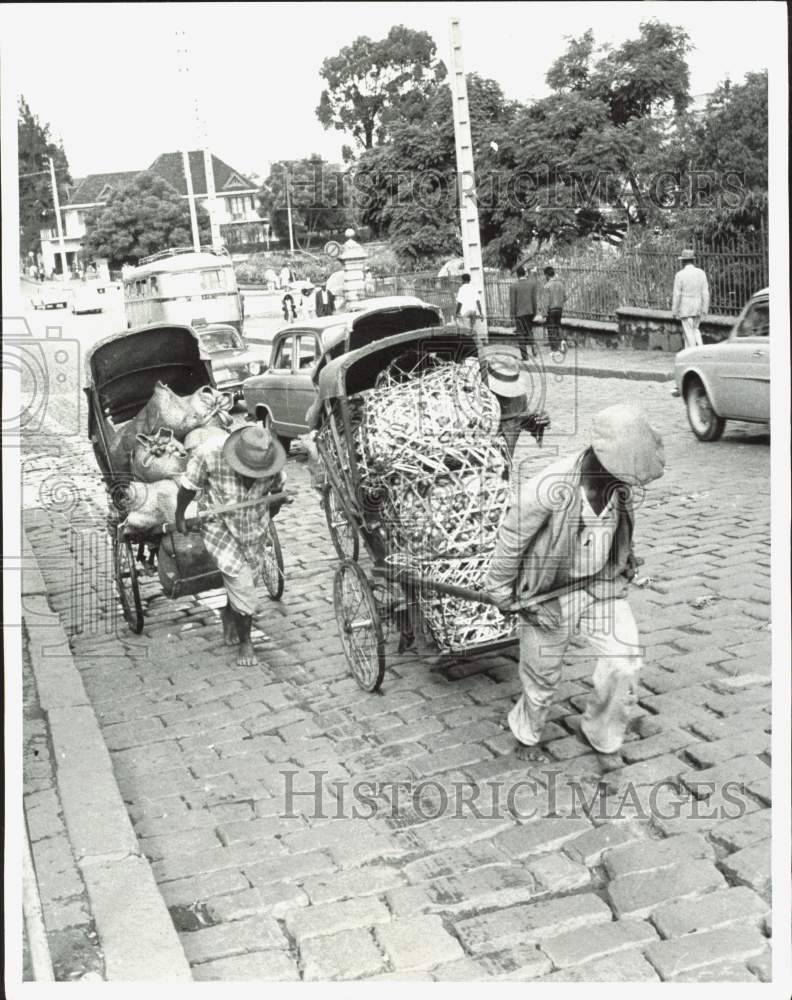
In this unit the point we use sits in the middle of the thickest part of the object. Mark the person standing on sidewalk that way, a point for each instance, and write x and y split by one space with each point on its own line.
555 297
523 297
468 306
690 299
571 526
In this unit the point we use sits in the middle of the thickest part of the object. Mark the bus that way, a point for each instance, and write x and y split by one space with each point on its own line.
185 286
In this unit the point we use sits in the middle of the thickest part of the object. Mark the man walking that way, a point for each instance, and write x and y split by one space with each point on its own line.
468 306
555 297
246 466
523 296
691 298
571 527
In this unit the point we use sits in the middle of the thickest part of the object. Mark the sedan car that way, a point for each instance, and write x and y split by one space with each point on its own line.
231 358
729 380
54 296
287 389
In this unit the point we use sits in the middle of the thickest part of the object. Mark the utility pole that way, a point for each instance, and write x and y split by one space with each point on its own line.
196 235
217 239
288 209
58 222
468 202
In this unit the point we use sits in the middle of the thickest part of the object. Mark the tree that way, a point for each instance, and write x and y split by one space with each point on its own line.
36 209
144 217
370 84
317 198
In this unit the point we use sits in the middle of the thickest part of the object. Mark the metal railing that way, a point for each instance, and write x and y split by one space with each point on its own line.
594 291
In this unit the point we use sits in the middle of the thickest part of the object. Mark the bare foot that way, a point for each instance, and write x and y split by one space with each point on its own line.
247 656
535 754
230 633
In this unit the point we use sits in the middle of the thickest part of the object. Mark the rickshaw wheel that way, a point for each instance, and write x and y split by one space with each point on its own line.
126 578
343 535
359 625
271 561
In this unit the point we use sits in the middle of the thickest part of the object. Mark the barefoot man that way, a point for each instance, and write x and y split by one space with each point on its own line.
246 466
571 526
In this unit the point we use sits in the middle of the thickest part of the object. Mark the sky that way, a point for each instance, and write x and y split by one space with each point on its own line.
119 83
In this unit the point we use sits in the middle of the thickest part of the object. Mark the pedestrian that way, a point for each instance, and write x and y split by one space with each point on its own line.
555 297
690 299
571 527
289 308
307 308
523 295
271 280
285 276
325 301
513 389
468 306
246 466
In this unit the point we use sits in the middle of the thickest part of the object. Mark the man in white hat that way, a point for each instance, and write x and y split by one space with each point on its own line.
515 391
246 466
571 528
690 299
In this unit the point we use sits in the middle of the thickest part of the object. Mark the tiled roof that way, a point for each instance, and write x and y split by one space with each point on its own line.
227 180
89 190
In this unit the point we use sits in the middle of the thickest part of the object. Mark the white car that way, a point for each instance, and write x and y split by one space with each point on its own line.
729 380
90 297
53 296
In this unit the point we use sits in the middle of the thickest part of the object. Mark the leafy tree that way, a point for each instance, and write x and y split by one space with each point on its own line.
317 198
372 83
144 217
35 146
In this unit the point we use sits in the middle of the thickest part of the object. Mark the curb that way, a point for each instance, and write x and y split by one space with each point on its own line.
634 374
138 939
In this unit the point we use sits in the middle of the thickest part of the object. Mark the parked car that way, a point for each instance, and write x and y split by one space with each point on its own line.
52 296
729 380
288 388
90 297
231 359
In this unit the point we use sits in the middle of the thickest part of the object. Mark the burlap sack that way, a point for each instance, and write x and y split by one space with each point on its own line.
157 456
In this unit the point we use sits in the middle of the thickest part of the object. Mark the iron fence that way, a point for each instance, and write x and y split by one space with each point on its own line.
596 290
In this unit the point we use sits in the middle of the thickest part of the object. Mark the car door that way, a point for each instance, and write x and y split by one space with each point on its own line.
304 392
744 370
293 375
275 382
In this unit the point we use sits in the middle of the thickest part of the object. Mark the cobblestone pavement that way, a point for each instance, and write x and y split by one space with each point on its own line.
71 933
640 882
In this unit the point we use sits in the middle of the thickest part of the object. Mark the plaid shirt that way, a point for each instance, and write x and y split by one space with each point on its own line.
232 539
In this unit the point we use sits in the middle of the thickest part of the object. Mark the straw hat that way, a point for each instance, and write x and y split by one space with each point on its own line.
505 376
254 452
687 254
627 446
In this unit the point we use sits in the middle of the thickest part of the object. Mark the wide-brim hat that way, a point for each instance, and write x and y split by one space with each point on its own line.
687 254
627 445
505 376
254 452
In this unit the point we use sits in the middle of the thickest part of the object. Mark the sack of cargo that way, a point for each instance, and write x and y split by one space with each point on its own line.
150 505
203 437
207 407
157 456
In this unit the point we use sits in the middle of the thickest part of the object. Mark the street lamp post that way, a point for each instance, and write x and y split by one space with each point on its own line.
288 209
58 222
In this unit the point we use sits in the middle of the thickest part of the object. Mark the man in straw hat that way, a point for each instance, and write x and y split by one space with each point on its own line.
516 390
246 466
691 298
570 528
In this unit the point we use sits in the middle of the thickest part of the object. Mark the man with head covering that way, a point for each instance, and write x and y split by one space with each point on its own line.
570 528
246 466
690 299
515 392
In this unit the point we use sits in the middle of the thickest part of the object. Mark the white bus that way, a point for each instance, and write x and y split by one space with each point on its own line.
183 286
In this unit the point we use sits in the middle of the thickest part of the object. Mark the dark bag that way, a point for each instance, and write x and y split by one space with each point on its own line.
185 566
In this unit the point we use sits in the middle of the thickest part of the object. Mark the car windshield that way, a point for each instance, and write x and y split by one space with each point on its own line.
221 340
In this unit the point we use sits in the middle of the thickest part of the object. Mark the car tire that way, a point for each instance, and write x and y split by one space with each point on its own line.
704 421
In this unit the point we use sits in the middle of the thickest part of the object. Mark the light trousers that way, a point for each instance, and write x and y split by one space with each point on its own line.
609 626
690 331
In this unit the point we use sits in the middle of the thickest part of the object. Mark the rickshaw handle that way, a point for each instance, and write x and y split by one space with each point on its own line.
287 496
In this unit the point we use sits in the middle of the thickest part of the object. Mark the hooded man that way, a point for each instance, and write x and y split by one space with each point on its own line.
571 527
246 466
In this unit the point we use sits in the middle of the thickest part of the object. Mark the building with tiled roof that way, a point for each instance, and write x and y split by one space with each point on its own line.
237 202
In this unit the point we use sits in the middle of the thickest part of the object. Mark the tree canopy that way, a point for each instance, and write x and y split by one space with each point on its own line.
372 83
317 198
35 146
144 217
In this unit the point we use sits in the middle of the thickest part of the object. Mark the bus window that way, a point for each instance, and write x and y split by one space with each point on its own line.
154 285
210 280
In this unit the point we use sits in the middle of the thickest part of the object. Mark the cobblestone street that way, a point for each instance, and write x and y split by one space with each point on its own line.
658 870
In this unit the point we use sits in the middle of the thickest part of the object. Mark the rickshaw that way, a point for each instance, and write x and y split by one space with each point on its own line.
122 371
388 596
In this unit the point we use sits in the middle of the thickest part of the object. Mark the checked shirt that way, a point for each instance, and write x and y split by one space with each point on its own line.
232 539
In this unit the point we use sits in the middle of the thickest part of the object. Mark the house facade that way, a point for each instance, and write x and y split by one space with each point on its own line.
236 201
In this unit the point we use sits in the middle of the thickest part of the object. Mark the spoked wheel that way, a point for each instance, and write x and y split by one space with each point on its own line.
126 578
271 561
359 625
343 534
